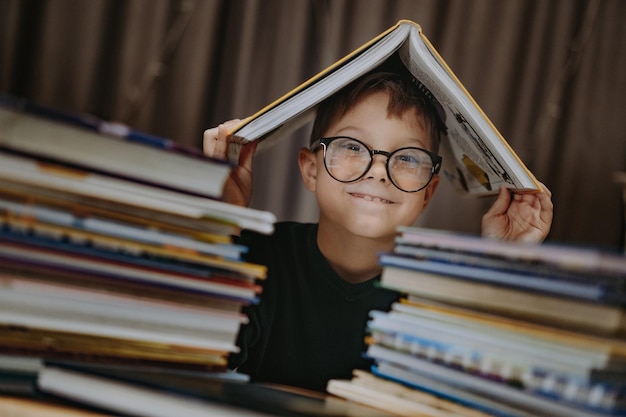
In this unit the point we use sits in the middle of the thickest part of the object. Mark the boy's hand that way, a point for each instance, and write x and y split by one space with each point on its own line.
238 187
525 217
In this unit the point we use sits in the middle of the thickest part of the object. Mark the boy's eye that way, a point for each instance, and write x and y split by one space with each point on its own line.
407 158
351 146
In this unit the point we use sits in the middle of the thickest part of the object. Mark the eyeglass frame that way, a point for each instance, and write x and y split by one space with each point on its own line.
435 159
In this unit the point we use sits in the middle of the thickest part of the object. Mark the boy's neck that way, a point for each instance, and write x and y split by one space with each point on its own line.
354 258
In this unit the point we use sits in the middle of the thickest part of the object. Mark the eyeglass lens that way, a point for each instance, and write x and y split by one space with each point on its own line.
347 159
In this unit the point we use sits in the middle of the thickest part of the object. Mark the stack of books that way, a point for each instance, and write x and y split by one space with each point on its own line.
115 252
507 329
121 287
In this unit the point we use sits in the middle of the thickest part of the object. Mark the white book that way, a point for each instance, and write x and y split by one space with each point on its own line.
563 312
113 154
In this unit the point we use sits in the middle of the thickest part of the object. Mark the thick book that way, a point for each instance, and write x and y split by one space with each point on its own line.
508 273
570 313
476 157
52 136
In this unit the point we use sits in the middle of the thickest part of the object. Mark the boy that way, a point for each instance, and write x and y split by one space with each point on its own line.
373 166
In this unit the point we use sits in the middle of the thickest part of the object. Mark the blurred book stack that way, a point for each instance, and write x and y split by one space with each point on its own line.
115 250
504 328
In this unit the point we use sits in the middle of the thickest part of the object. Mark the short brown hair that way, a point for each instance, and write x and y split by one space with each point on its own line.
403 93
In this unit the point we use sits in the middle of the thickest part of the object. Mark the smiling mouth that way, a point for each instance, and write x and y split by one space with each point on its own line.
371 198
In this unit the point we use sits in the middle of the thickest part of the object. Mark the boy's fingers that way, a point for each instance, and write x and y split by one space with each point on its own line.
547 194
545 200
213 144
215 140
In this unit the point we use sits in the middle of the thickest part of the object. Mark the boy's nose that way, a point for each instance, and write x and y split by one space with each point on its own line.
378 169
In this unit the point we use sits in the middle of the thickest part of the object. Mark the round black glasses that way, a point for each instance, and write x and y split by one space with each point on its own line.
347 159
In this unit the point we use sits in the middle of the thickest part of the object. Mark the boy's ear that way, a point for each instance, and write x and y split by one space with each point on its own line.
429 191
307 161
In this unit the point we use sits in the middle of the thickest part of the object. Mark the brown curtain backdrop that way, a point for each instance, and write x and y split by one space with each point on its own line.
551 74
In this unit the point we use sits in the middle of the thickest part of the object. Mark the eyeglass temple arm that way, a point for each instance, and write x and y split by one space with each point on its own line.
315 145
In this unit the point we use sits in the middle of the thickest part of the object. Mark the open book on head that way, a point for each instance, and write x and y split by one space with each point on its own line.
476 158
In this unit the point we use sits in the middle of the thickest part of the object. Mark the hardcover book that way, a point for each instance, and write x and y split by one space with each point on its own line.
476 157
106 148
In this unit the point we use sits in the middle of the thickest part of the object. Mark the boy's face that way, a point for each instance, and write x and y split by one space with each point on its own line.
371 207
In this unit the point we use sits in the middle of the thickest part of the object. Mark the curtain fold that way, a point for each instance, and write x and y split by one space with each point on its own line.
550 74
